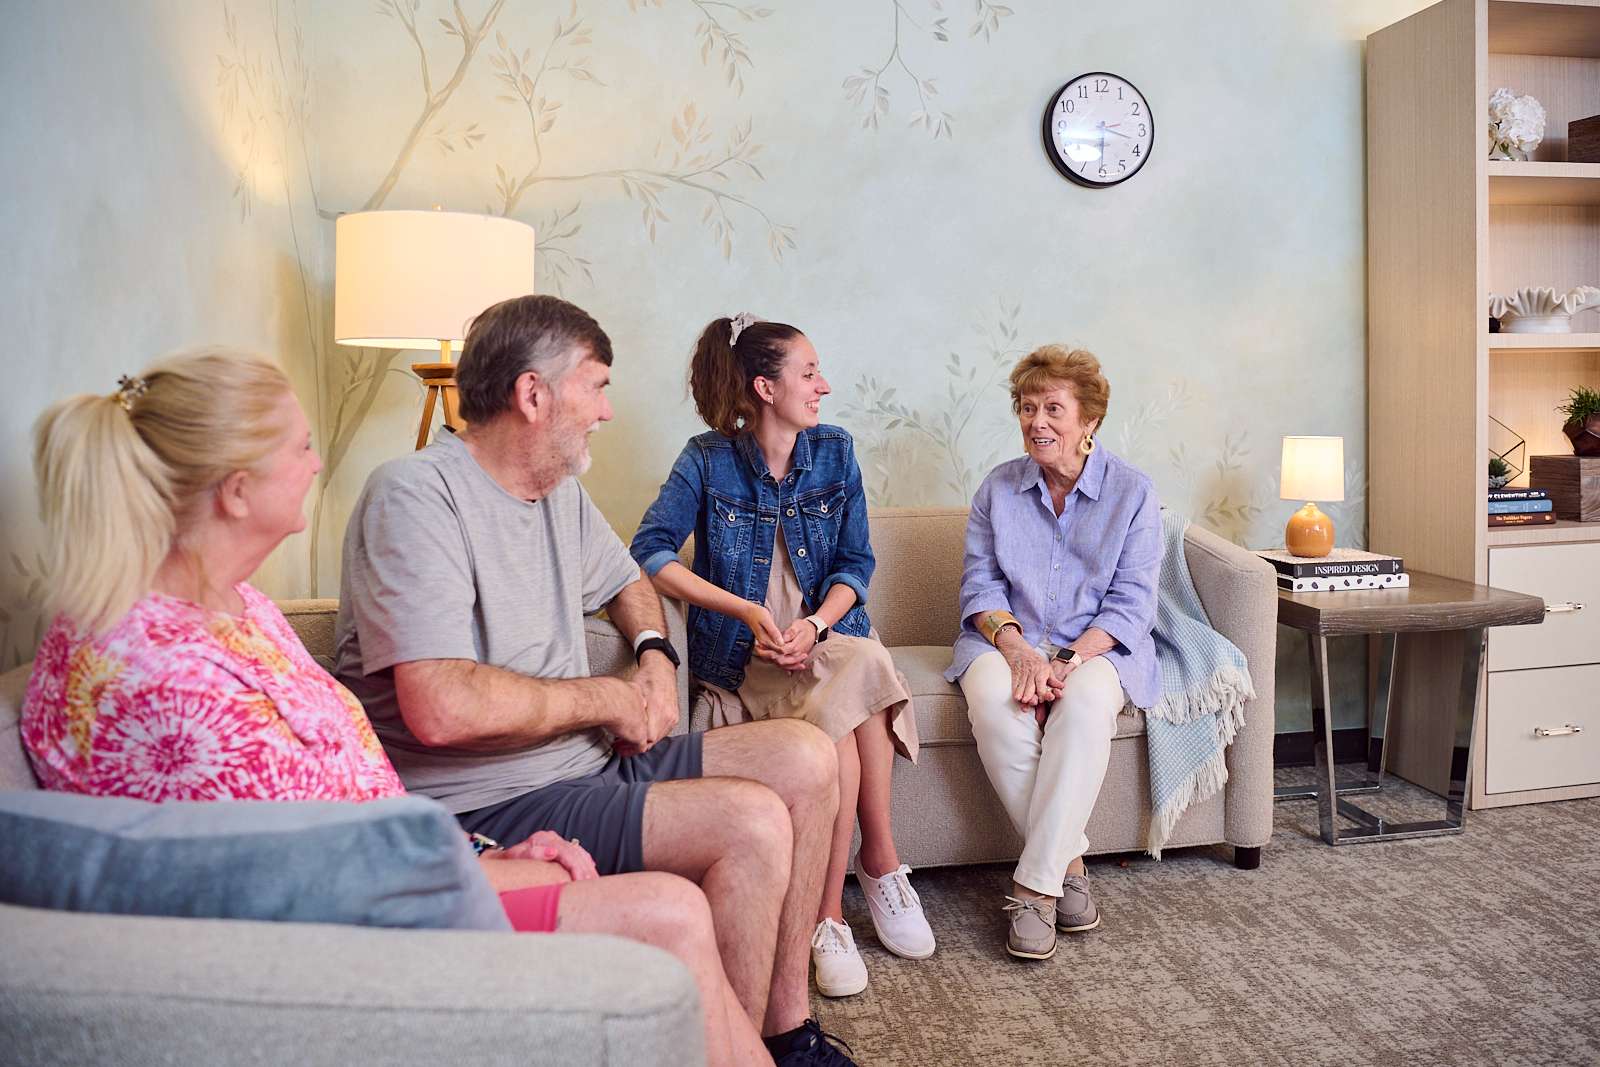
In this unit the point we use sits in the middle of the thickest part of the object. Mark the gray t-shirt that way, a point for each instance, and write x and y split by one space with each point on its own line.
440 562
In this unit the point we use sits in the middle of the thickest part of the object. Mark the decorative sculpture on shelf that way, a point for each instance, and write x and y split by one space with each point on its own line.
1541 310
1516 125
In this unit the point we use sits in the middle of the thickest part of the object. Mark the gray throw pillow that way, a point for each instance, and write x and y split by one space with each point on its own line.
401 861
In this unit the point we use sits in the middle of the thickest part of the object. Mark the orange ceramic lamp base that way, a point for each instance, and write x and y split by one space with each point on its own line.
1309 533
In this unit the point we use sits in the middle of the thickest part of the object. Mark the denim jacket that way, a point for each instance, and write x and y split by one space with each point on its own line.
721 490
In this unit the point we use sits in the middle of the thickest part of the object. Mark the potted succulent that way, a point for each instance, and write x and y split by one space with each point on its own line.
1582 427
1499 472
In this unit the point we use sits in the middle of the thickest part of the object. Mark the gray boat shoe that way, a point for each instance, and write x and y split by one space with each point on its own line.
1033 927
1076 911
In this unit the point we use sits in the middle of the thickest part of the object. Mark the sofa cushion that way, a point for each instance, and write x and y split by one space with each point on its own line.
401 861
942 709
15 770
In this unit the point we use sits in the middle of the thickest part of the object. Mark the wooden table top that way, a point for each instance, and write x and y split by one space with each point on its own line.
1431 602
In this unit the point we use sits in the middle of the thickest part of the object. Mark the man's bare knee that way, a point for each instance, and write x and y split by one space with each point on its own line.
809 765
764 832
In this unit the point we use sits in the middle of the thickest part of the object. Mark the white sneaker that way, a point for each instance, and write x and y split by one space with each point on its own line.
840 970
897 913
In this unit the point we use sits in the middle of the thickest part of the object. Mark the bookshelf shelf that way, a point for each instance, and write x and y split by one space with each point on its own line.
1533 28
1544 184
1560 532
1544 341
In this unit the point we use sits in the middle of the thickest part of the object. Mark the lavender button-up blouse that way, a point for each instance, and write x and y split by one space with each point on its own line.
1094 565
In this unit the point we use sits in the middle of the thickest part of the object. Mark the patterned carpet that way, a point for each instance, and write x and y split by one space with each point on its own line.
1482 948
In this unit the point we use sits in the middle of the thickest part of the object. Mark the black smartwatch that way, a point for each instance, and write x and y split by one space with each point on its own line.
652 641
1069 655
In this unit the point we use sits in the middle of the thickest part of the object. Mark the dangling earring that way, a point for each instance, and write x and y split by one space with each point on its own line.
1087 445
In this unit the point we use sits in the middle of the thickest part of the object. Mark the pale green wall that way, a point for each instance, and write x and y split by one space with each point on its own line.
1223 286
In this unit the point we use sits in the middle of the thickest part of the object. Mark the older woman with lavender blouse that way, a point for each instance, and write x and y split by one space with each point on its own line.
1058 597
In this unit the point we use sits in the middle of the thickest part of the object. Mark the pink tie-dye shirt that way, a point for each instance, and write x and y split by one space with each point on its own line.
178 702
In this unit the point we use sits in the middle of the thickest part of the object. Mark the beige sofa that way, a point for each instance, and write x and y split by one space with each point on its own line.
944 811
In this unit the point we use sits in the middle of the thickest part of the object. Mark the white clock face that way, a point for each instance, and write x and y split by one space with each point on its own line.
1098 130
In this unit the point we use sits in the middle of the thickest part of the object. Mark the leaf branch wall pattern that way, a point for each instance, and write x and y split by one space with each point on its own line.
471 37
866 88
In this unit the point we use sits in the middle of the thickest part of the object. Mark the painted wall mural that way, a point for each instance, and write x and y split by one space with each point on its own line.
867 170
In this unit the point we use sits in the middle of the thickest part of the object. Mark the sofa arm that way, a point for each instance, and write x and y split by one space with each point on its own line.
1239 591
78 988
610 653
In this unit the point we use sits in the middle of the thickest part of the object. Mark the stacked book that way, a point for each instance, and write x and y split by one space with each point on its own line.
1520 507
1343 568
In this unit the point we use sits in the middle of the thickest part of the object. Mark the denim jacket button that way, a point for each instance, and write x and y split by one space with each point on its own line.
732 517
801 553
824 509
790 513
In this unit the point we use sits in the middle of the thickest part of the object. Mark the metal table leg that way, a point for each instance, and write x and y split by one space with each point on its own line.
1375 828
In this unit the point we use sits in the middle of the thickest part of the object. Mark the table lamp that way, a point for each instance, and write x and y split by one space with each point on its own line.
1313 469
416 279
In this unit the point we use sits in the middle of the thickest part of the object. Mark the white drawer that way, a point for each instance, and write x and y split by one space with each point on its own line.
1520 702
1563 575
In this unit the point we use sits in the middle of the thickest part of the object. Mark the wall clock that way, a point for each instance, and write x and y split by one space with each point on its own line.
1098 130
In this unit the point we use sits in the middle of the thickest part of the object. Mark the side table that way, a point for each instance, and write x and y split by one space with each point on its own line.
1431 605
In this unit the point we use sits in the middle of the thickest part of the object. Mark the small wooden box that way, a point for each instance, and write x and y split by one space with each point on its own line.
1583 140
1573 483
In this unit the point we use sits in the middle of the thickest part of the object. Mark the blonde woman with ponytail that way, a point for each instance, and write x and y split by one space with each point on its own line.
166 676
777 622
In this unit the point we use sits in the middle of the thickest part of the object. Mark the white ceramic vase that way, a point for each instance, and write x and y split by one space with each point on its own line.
1541 310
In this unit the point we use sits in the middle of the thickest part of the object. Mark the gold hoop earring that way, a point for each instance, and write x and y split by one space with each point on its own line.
1087 445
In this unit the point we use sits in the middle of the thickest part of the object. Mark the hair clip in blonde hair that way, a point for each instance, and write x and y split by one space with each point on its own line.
739 324
130 389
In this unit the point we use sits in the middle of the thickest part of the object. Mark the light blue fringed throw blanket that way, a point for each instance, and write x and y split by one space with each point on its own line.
1205 682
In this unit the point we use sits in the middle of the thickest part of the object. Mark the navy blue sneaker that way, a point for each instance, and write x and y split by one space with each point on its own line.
808 1045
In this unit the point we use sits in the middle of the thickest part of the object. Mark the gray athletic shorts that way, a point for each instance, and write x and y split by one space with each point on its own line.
604 811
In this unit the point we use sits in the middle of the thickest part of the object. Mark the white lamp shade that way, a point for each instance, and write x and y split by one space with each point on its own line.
1313 469
411 279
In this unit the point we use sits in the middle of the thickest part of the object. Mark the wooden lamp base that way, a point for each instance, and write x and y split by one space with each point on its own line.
1309 533
439 380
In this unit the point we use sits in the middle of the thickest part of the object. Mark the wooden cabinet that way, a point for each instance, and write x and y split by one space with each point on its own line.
1446 226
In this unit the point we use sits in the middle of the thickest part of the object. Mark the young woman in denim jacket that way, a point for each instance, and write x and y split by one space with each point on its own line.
777 626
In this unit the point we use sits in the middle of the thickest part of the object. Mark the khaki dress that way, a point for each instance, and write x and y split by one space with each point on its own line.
849 679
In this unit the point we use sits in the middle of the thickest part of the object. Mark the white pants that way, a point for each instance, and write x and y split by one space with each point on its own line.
1047 778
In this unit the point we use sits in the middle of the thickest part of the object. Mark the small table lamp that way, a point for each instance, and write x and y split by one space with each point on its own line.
1313 469
416 279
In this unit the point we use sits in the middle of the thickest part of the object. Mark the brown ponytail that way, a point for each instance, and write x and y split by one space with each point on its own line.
722 375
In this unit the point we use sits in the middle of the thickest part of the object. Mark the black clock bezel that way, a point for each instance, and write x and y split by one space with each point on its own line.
1050 144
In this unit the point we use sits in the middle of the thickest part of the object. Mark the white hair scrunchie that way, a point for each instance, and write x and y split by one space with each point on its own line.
739 324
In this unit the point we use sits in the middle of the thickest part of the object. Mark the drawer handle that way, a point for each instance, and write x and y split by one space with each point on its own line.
1557 731
1562 609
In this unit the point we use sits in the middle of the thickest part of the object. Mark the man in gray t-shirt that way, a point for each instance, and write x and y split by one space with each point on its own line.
468 568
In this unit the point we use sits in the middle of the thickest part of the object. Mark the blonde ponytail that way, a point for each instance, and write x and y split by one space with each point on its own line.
121 477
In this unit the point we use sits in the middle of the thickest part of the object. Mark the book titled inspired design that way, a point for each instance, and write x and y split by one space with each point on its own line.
1340 563
1340 583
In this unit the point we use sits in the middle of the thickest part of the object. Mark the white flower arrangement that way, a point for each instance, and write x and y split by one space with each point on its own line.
1516 125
